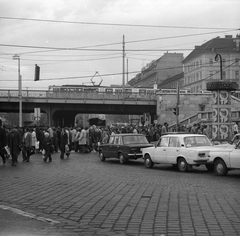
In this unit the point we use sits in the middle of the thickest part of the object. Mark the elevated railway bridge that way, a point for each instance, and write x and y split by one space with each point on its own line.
61 107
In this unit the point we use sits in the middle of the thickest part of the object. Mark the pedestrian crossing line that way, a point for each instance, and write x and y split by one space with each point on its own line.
29 215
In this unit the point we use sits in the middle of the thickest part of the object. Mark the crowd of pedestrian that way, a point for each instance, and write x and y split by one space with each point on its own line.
49 140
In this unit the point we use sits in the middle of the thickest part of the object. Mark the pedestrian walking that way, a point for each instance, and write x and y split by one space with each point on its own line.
83 140
47 145
3 142
206 131
64 148
27 145
164 128
235 128
34 138
14 141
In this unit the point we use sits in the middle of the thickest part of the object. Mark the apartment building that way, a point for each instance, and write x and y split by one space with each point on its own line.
203 63
158 70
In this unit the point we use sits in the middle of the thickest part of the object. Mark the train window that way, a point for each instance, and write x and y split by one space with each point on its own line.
79 89
150 91
142 91
128 90
108 90
118 90
101 89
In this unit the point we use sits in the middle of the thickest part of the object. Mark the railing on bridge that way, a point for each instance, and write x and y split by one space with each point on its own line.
202 117
83 95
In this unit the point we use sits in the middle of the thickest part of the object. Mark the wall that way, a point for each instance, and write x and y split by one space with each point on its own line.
190 104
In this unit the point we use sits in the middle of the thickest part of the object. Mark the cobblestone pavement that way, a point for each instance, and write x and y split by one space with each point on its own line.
89 197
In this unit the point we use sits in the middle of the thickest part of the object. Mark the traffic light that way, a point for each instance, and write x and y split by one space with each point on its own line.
176 111
37 73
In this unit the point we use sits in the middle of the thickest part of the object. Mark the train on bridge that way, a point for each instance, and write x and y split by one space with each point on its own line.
73 89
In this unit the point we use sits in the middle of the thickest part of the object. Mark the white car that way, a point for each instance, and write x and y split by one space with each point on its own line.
181 150
225 158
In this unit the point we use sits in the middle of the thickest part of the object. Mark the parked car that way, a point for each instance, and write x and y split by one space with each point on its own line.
123 146
225 158
180 150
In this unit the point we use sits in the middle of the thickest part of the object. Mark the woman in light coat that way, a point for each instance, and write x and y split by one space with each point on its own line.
82 141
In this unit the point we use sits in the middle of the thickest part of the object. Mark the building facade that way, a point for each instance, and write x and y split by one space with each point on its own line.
171 83
158 70
203 63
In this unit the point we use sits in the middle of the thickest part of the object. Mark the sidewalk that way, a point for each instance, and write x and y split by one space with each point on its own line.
15 224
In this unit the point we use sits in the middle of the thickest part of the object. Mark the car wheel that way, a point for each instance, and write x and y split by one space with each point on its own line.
209 167
101 156
182 165
122 159
148 161
220 167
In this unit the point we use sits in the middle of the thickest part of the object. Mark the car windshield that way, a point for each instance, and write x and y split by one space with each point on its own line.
197 141
134 139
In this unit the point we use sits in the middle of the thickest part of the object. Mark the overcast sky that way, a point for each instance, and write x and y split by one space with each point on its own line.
71 40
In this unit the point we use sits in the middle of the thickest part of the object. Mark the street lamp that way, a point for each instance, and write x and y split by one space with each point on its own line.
17 57
218 56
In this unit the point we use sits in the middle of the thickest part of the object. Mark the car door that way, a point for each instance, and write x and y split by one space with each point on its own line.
173 150
160 151
107 149
114 147
235 158
117 145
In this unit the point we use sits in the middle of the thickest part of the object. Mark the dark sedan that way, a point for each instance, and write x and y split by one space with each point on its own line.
123 146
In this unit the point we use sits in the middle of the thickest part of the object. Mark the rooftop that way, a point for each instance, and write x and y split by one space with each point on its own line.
227 44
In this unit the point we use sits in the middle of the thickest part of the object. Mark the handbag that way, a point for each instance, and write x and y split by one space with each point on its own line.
66 149
37 144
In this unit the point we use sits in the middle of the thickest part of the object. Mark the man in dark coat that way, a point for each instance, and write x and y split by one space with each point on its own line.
14 141
3 142
27 145
64 144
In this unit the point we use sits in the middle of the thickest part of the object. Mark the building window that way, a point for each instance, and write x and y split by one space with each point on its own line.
197 65
224 75
197 77
224 62
200 63
210 61
236 74
237 61
200 75
210 73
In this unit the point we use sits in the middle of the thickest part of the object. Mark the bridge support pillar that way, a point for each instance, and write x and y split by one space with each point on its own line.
221 127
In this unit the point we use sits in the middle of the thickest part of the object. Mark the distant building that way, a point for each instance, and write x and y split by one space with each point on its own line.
200 64
171 83
158 70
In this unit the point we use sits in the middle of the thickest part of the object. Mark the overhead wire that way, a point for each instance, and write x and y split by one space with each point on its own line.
114 24
133 72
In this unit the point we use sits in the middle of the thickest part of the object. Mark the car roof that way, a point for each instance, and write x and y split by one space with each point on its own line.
127 134
185 135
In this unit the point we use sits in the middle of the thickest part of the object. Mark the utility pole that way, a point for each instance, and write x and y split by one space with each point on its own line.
17 57
127 70
123 78
177 106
